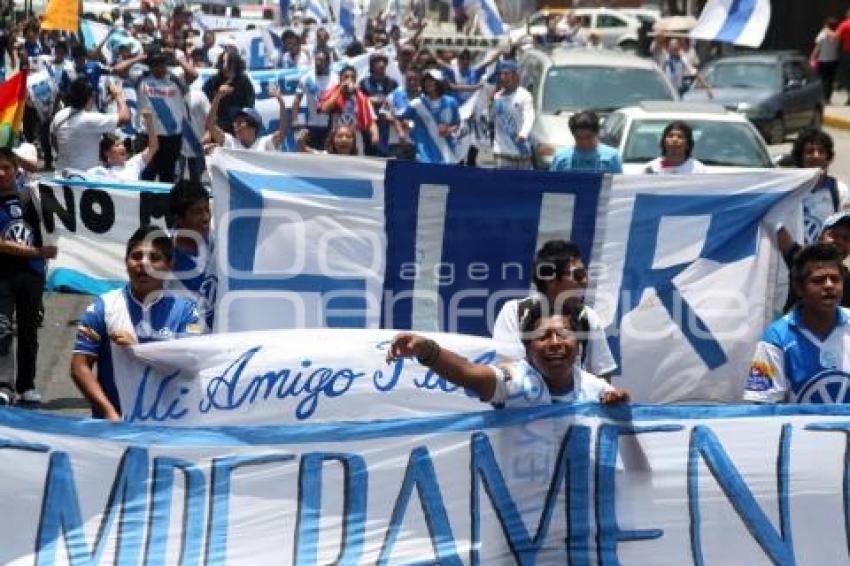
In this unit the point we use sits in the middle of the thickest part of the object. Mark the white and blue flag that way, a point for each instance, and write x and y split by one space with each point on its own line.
742 22
490 20
316 10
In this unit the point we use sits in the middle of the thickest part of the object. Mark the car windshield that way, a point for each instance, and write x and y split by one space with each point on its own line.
568 89
742 75
727 144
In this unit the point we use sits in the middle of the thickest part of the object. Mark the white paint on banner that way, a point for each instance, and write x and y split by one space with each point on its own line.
430 229
556 210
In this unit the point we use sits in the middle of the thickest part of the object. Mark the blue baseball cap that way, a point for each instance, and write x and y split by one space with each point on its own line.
508 65
252 115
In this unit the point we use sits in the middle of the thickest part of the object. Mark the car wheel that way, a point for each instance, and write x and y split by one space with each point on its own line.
817 118
629 46
774 131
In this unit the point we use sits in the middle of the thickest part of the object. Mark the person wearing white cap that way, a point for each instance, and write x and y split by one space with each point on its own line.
436 120
513 116
247 125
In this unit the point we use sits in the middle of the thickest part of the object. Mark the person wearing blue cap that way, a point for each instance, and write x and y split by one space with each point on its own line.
247 124
513 116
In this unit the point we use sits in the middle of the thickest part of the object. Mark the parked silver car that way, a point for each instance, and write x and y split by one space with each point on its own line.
564 81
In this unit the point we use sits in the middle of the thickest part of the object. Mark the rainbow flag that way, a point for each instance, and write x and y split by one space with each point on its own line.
13 96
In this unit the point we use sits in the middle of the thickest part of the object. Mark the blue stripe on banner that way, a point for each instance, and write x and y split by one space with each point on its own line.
492 218
740 12
307 433
322 186
63 278
243 234
135 187
243 198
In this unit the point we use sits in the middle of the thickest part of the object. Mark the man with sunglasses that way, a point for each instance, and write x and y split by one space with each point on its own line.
560 278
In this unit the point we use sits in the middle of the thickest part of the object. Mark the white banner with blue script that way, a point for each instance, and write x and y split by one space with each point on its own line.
300 240
689 278
90 222
634 485
286 376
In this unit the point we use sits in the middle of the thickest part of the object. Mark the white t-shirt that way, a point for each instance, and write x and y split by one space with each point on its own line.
263 143
311 87
690 165
520 385
513 115
165 98
130 171
198 106
78 136
507 335
827 43
303 59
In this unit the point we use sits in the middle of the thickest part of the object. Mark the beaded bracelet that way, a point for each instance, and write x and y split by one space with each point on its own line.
430 357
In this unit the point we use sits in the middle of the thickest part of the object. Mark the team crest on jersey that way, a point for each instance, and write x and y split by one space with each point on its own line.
15 211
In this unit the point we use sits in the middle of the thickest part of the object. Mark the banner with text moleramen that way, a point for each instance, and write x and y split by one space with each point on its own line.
560 484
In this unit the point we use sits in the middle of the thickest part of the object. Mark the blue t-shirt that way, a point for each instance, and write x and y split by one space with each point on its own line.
19 223
91 70
166 318
604 159
427 115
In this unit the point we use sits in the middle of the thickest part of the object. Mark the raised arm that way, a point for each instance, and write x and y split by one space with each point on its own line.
283 124
216 133
123 110
445 363
122 66
153 138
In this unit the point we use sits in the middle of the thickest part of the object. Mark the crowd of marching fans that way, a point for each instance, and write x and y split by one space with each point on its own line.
157 95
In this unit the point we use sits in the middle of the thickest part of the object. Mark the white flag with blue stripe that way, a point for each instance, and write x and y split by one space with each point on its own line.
742 22
316 10
490 20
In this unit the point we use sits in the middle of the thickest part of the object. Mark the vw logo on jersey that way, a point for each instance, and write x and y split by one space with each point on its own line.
532 386
18 231
827 387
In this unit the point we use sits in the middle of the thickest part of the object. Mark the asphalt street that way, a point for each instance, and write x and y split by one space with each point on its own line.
62 311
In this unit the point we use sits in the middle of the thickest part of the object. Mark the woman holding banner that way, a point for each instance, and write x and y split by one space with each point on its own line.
548 374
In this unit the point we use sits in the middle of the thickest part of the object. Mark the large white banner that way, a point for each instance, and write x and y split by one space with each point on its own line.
301 240
688 276
286 376
559 484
